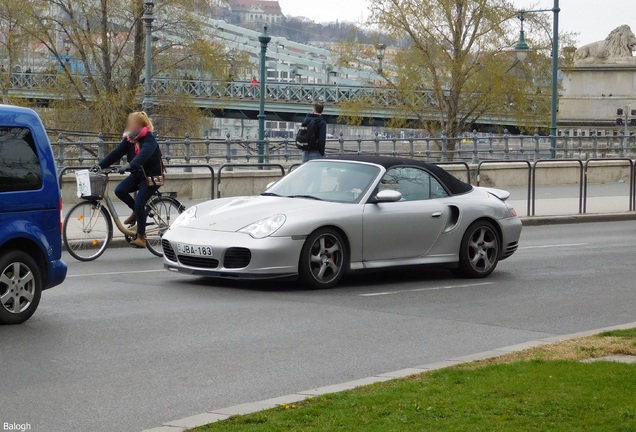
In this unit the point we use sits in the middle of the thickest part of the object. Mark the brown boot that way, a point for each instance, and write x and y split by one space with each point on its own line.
139 242
132 219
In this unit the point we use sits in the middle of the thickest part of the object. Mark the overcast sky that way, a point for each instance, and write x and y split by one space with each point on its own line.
592 19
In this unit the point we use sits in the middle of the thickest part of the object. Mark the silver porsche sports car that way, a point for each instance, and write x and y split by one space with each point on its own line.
332 216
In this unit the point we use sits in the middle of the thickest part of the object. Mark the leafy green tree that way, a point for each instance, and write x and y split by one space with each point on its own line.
460 51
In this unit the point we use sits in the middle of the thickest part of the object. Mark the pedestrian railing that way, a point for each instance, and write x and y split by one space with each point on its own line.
632 179
578 163
474 149
231 167
530 202
216 175
209 168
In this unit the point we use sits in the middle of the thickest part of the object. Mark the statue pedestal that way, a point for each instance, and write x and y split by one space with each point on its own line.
592 94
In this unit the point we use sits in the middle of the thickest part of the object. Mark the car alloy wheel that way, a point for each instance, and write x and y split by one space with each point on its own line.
323 260
20 287
480 249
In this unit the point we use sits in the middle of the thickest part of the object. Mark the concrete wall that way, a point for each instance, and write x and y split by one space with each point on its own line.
558 173
237 183
592 93
193 186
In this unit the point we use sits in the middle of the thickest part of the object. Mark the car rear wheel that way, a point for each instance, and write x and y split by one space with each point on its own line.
480 250
20 287
323 260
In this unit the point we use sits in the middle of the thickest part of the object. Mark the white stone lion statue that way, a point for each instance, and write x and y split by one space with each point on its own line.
617 46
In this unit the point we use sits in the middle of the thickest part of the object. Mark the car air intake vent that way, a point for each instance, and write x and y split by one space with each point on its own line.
511 249
168 251
237 258
198 262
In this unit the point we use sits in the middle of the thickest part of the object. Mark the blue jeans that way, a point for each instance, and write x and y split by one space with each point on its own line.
136 183
311 155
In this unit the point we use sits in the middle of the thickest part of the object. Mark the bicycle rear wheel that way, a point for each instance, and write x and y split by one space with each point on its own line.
162 212
88 231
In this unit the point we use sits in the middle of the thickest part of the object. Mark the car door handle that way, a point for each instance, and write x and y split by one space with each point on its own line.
437 215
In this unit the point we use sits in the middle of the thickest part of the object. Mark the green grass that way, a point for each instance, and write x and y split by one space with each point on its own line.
629 333
533 395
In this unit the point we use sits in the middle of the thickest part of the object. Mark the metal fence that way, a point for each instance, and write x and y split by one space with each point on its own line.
219 89
472 148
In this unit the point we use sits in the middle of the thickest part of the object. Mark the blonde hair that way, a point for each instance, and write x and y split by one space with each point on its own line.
143 119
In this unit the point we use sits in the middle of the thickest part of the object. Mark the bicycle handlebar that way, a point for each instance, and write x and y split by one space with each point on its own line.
109 170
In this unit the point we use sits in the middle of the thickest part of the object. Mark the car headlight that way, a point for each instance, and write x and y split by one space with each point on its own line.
185 218
264 228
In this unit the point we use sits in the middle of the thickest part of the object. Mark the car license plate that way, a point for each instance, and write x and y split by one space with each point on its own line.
186 249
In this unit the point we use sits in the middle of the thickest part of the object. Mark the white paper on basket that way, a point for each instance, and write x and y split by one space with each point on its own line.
83 183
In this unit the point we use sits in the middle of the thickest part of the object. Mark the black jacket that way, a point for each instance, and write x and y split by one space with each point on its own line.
322 132
149 156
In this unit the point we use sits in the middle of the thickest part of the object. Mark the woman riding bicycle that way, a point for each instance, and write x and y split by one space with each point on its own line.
142 151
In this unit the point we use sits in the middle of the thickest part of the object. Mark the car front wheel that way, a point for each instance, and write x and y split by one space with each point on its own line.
480 249
20 287
323 260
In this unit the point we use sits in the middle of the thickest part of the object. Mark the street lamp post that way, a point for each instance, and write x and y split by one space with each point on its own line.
264 39
381 48
522 50
329 69
148 19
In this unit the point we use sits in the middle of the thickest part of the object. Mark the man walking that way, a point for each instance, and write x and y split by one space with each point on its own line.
312 136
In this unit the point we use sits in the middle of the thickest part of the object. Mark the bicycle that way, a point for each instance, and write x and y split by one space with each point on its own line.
88 226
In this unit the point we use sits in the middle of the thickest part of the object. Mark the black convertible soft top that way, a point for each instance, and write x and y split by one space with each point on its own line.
452 183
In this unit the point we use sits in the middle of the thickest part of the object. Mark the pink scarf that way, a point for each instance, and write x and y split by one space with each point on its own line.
135 138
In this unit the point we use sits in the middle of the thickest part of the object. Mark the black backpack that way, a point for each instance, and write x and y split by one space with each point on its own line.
307 138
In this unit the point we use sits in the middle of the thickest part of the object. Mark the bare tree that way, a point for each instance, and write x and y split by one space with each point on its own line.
98 50
12 44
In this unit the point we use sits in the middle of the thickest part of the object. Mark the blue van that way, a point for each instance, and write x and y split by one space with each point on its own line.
30 215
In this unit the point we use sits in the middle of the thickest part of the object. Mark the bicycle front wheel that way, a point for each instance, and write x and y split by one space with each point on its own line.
162 212
88 230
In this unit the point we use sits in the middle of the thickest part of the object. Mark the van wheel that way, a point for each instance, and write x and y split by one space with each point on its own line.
20 287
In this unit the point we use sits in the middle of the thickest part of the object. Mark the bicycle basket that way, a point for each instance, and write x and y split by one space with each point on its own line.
94 188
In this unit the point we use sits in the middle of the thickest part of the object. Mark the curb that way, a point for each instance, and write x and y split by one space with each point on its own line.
217 415
576 219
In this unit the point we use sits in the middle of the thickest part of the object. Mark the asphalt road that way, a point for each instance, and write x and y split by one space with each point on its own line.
125 346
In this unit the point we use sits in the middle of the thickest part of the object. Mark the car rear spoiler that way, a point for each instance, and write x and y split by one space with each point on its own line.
501 194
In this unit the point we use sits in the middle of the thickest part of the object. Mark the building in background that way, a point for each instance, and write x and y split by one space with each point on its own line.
255 13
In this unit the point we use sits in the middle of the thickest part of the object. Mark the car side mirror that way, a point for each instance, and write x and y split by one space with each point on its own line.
269 185
388 196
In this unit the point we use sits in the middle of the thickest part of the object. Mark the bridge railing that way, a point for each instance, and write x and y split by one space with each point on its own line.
219 89
472 148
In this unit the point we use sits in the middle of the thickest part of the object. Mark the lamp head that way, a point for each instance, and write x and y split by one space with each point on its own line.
264 38
522 49
381 49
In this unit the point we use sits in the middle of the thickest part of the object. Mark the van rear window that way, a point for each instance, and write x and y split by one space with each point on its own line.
19 162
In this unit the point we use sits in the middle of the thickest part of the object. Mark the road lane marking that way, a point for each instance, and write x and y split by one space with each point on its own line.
426 289
115 273
554 246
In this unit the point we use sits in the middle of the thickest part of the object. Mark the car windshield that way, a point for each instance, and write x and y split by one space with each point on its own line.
334 181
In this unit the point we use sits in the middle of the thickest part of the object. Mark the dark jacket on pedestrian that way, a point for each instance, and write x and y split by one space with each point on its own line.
148 156
322 132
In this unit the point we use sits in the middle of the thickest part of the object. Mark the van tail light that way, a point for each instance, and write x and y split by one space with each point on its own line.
61 219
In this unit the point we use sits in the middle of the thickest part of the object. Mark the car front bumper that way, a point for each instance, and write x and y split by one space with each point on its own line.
269 258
